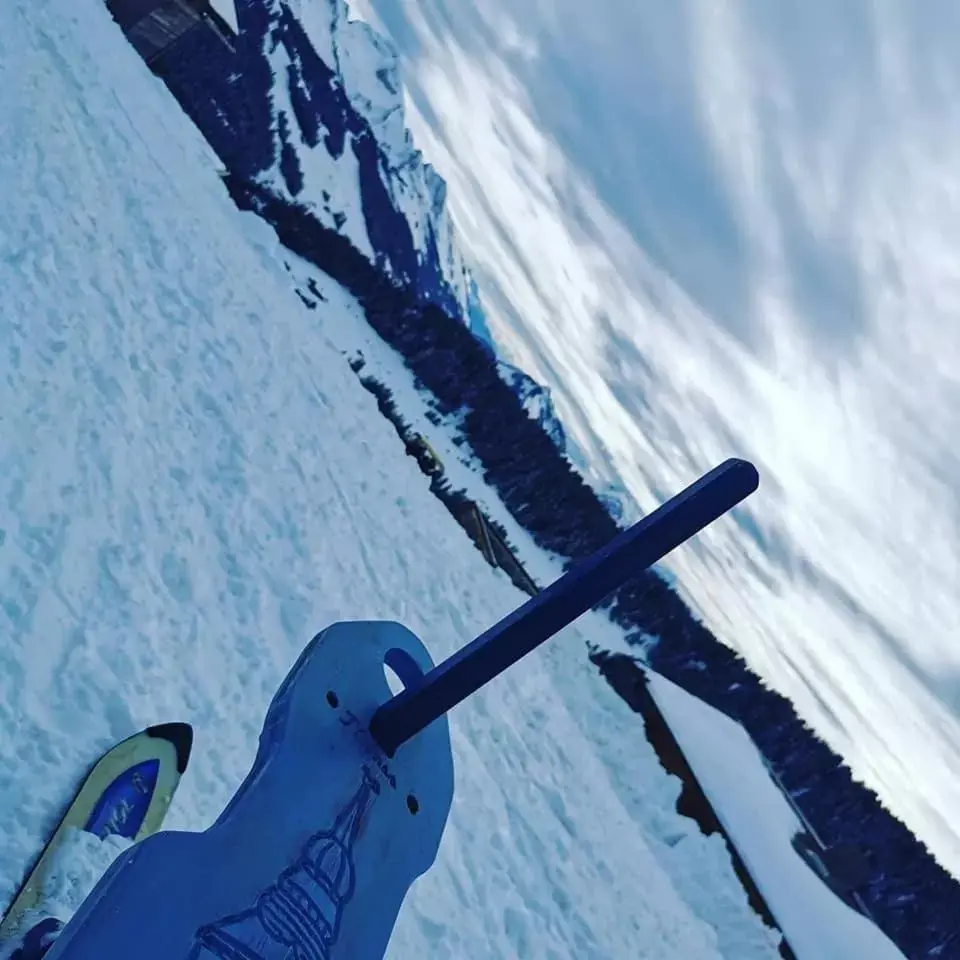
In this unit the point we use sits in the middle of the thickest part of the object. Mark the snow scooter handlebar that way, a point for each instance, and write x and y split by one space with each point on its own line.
582 587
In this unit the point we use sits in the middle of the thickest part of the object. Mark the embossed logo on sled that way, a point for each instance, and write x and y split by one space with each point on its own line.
300 914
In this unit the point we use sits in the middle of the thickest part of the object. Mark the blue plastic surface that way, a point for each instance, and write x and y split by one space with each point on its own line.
122 807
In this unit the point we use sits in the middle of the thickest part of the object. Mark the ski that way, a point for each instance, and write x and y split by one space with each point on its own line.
126 794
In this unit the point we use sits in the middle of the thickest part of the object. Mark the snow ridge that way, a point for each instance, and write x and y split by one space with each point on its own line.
312 170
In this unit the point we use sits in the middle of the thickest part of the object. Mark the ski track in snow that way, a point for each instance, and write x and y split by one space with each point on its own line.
192 483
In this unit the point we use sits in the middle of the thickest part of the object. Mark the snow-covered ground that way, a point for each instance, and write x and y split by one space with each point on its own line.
192 482
762 823
355 338
731 227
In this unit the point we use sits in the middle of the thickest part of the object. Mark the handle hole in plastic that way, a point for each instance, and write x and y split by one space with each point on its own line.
402 672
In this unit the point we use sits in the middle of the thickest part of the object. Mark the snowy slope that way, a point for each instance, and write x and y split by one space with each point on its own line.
192 482
762 823
332 110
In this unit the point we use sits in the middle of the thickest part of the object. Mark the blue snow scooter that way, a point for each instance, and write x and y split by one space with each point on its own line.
351 787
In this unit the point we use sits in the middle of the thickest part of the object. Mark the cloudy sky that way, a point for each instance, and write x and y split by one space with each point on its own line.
732 228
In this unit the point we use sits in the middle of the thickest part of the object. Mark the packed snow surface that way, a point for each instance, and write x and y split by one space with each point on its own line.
761 822
192 483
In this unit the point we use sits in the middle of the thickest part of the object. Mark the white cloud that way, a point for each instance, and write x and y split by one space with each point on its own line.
733 228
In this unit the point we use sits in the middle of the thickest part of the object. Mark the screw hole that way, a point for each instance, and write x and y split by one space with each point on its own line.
333 699
413 805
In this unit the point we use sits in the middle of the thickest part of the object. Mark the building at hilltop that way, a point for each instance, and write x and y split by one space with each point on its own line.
154 26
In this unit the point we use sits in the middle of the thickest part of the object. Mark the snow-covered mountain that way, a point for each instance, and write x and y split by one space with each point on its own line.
537 402
368 67
314 111
311 107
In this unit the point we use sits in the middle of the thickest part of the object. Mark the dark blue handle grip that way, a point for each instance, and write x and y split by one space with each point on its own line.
582 587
